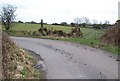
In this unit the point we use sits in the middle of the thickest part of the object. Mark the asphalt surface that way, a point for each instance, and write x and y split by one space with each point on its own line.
66 60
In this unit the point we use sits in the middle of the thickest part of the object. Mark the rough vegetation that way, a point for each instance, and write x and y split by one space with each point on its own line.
0 53
17 64
112 35
75 32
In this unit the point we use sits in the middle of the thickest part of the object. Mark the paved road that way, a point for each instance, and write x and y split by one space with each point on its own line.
71 61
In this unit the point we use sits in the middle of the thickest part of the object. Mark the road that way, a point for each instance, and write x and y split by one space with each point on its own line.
66 60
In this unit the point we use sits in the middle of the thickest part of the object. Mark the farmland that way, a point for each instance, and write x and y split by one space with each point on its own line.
67 29
35 27
91 37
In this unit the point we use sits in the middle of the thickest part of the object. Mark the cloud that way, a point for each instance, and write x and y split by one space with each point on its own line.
64 10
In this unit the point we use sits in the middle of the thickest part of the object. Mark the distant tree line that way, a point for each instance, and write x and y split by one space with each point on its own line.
61 24
85 22
80 22
32 22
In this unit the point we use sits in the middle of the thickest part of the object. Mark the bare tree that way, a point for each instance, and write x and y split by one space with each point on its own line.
7 16
77 21
85 20
107 22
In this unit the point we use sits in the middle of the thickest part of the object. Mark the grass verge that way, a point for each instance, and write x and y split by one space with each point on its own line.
89 42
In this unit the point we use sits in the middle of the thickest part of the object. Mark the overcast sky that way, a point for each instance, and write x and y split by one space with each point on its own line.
52 11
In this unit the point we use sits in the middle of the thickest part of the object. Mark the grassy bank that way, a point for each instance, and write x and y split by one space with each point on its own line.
17 63
91 37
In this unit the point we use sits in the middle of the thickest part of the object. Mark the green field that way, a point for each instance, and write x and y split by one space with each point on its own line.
67 29
91 37
35 27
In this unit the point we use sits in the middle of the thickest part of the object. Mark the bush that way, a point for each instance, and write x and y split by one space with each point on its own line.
97 26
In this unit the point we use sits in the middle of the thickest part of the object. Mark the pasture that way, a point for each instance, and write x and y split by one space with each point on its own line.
67 29
35 27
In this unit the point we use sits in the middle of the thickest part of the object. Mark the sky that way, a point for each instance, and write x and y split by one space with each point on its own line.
57 11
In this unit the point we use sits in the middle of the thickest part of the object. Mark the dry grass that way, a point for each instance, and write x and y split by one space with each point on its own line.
17 64
112 35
